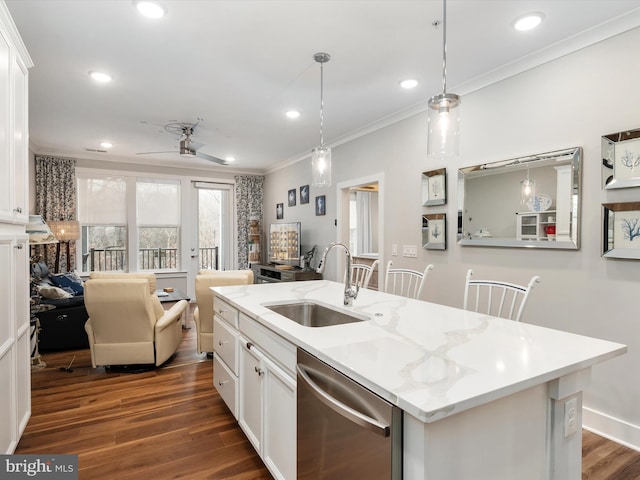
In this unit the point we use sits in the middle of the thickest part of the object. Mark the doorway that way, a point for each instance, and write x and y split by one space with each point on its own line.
360 216
212 247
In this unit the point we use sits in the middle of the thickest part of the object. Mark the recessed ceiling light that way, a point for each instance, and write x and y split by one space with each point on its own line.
151 9
230 159
293 114
409 83
106 145
100 76
528 21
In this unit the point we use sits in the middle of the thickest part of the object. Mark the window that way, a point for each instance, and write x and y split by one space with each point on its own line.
158 217
102 212
129 223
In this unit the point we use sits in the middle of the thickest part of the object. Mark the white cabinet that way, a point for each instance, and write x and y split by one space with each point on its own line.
533 225
250 377
15 367
14 137
254 374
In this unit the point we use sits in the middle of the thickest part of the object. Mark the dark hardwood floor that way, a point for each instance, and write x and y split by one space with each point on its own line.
170 423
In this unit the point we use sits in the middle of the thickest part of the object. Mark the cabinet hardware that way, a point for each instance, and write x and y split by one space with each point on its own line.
259 371
18 209
249 345
220 342
222 382
19 246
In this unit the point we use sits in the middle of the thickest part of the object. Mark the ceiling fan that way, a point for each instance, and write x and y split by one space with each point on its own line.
188 147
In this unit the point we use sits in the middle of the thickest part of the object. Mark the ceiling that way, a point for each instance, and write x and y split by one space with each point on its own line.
239 65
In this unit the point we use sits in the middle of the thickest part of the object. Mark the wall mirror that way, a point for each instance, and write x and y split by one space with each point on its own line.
530 202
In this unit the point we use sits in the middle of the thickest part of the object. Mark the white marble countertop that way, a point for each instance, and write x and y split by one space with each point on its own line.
430 360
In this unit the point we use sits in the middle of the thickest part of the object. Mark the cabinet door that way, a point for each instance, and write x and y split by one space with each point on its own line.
279 446
250 377
20 139
6 189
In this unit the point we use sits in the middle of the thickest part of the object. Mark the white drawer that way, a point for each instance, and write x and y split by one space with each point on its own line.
225 343
227 385
226 311
272 344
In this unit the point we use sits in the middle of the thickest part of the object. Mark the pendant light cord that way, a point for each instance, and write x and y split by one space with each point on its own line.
444 46
321 104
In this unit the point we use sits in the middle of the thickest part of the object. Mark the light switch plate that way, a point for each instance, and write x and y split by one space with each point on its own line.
409 251
394 250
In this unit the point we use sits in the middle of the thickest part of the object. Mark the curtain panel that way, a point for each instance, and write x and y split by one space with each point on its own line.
56 199
249 199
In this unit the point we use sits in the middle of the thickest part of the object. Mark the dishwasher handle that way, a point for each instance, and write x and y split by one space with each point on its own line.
342 409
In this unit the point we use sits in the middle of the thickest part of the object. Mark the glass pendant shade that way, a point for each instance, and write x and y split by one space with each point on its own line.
528 188
444 126
321 167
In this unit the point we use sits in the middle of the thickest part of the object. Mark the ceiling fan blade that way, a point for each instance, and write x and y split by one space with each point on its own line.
195 145
147 153
211 158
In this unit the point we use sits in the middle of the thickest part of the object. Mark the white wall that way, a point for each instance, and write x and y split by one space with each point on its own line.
569 102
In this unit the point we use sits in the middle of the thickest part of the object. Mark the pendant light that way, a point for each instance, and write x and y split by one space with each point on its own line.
444 111
321 156
528 190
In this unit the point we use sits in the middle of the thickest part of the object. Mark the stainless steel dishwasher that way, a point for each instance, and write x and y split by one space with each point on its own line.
344 431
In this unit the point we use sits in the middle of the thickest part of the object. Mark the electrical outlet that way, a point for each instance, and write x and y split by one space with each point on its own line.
571 416
394 250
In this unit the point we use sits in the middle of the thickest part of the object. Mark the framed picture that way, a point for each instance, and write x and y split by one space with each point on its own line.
621 159
321 207
292 197
280 211
621 230
304 194
434 187
434 231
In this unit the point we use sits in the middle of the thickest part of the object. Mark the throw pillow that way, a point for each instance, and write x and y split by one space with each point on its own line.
69 282
52 293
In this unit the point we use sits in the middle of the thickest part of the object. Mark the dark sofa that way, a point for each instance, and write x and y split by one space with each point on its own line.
61 328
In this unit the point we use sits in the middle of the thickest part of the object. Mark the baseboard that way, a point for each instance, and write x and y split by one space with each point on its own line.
612 428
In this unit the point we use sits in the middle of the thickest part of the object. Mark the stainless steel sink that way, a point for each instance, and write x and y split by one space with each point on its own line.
311 314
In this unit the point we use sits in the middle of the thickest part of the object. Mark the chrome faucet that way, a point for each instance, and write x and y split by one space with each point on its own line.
350 293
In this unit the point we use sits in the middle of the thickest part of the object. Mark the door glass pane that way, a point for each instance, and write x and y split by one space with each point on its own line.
210 215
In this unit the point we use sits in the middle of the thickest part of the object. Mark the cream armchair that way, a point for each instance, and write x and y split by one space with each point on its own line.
203 313
127 324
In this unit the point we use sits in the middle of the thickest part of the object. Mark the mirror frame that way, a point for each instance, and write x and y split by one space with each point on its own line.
569 156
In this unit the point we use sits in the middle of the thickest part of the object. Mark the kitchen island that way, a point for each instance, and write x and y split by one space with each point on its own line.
483 397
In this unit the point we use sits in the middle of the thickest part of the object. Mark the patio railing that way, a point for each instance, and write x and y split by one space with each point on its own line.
108 259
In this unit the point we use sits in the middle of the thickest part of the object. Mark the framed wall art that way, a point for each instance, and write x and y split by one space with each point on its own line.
621 230
321 207
304 194
434 231
434 187
279 211
291 195
621 159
